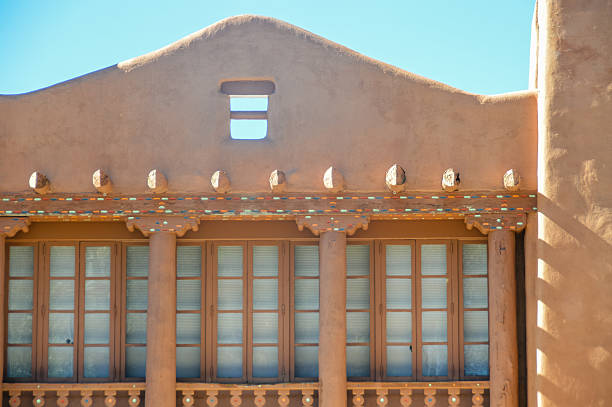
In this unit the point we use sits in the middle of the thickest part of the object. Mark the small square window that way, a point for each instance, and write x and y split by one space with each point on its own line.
248 108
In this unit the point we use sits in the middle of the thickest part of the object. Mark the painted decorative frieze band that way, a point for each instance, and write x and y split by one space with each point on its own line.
488 222
318 224
174 224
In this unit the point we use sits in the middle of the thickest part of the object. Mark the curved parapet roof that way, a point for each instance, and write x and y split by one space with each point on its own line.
332 106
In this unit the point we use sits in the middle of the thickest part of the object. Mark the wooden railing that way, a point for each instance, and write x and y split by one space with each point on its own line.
283 394
42 394
418 393
262 394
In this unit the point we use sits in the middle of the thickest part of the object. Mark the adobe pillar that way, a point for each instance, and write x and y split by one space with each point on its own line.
332 302
8 228
503 342
161 313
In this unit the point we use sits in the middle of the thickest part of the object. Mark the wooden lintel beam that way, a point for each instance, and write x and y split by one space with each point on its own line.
376 205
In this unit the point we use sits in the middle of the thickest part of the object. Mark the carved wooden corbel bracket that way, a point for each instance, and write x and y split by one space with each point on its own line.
489 222
9 227
173 224
341 223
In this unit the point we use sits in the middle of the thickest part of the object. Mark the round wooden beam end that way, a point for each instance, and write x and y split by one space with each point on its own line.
333 180
220 182
157 182
512 180
395 178
278 181
101 181
39 183
450 180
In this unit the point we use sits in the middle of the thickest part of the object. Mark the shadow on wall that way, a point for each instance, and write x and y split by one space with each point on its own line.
574 299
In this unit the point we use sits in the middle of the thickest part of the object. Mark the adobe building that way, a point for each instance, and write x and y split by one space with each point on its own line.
387 241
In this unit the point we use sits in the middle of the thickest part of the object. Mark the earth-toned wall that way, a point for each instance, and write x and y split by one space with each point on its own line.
332 106
573 288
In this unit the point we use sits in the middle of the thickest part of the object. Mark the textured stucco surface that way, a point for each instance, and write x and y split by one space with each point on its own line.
574 247
332 106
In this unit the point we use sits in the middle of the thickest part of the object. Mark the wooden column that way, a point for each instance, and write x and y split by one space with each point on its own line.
332 302
332 319
160 388
8 228
503 346
503 343
161 321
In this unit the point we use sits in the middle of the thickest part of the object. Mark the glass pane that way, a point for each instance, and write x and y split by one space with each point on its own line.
434 326
357 260
21 295
61 295
18 361
97 295
434 292
433 259
229 295
306 327
229 361
60 361
306 261
229 328
265 361
475 293
229 261
306 294
97 329
358 293
19 328
265 261
474 259
399 327
21 261
189 262
476 360
249 103
136 328
265 294
306 361
61 328
135 361
398 260
357 327
188 329
187 361
97 362
137 295
435 360
248 129
476 326
97 263
358 361
137 262
399 361
188 295
399 293
265 328
61 261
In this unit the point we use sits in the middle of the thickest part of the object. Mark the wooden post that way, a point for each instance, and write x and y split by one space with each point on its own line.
160 390
332 319
503 351
332 300
161 321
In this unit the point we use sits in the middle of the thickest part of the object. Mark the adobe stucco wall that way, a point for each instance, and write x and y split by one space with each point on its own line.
573 288
332 106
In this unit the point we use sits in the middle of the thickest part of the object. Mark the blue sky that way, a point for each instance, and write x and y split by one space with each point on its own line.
481 46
